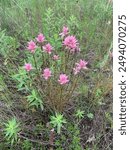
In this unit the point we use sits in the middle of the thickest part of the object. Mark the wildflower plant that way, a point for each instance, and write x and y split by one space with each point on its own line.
54 73
79 114
57 121
11 130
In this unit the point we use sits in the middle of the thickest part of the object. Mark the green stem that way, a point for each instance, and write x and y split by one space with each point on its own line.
69 95
36 66
61 91
67 60
35 62
42 54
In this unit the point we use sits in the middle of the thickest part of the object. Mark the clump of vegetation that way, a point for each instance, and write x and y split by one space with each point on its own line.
52 75
11 131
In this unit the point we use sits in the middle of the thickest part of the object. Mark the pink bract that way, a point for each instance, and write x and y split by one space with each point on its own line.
63 79
81 65
70 42
56 57
48 48
40 38
31 46
76 70
28 67
46 73
64 32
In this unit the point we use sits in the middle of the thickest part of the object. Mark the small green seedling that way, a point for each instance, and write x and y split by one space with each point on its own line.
79 114
57 121
11 130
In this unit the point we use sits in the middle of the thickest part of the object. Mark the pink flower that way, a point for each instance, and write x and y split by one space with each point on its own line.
28 67
63 79
64 32
48 48
81 65
70 42
31 46
76 70
46 73
40 38
56 57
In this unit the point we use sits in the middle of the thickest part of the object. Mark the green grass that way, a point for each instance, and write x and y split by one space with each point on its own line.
88 19
91 22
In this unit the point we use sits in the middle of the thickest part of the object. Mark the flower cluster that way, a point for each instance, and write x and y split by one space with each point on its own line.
46 73
31 46
69 42
64 32
40 38
79 66
63 79
55 57
28 67
48 48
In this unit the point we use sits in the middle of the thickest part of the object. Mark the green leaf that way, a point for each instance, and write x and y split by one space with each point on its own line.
34 100
57 121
